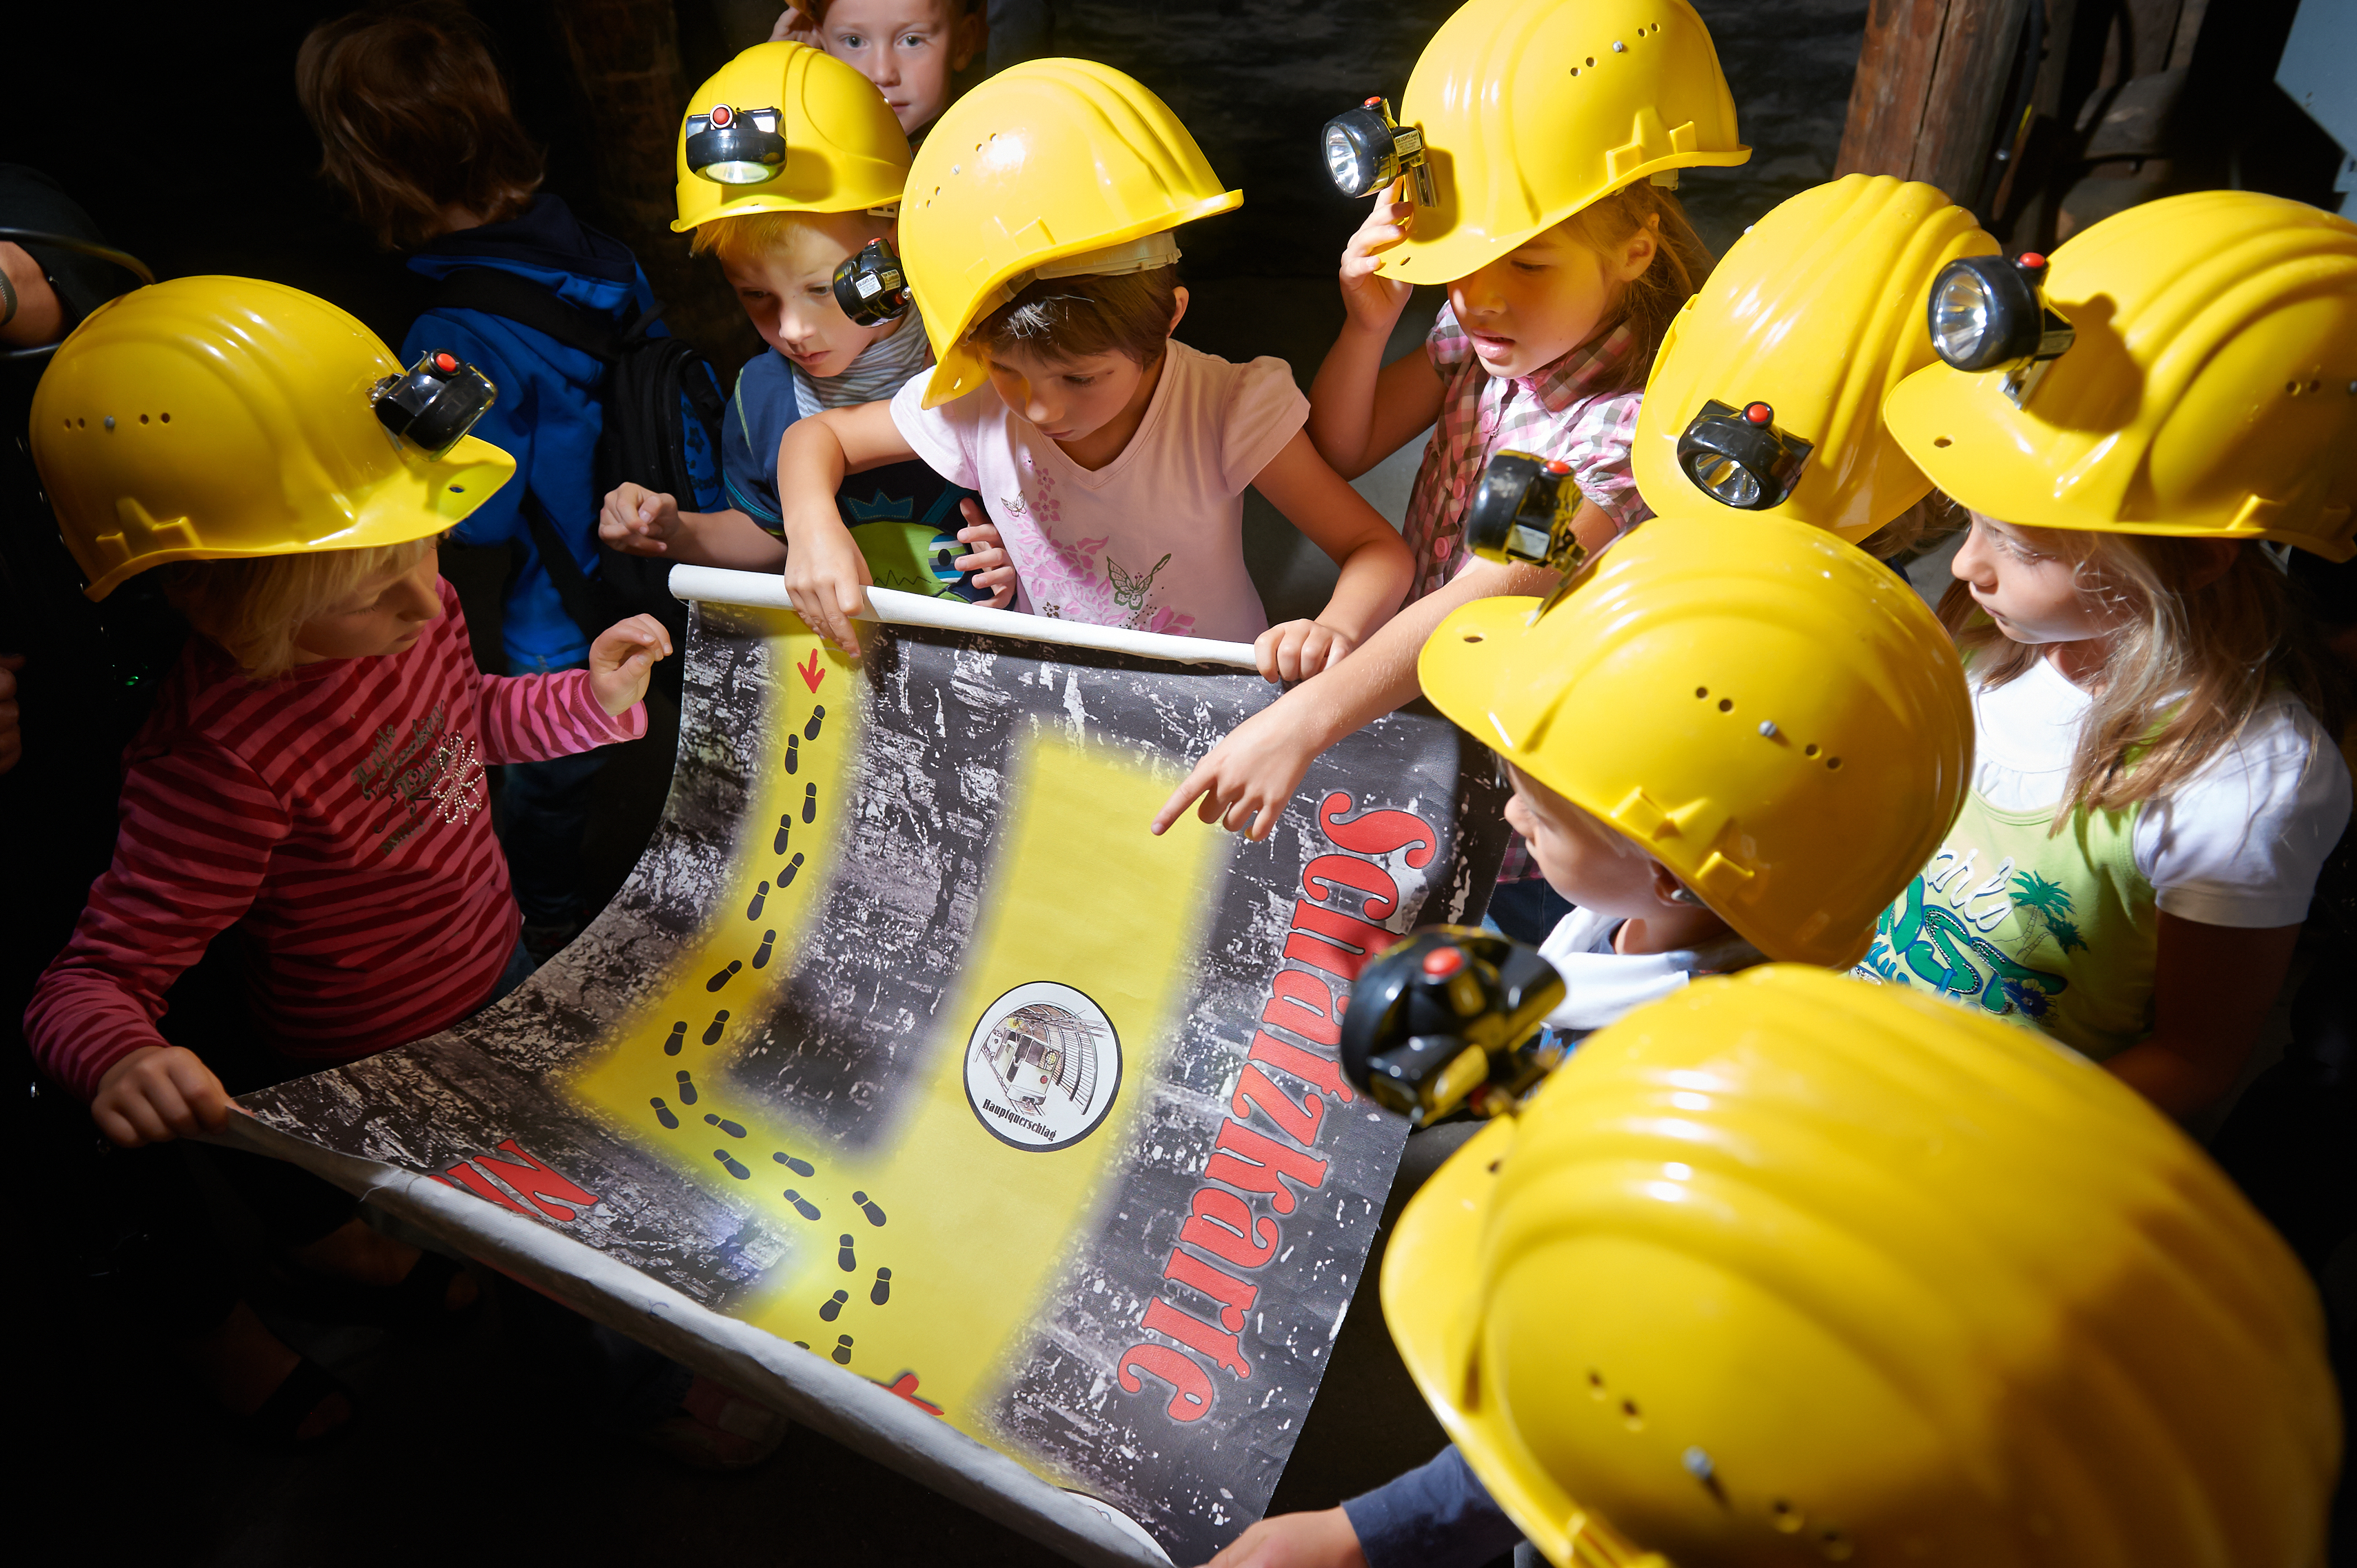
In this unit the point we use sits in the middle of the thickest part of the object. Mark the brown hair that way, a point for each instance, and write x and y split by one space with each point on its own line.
253 605
1071 318
2187 668
413 117
1651 300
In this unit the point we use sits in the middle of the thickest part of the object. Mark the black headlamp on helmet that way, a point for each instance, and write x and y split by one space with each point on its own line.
735 146
1739 457
1523 512
436 402
1366 149
871 287
1988 313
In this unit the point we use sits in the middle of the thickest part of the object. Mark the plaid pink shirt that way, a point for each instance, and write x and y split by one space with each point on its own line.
1554 412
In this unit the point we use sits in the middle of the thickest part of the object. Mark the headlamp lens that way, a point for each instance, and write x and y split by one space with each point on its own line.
1359 152
434 403
1724 480
735 146
1341 161
1962 316
1739 456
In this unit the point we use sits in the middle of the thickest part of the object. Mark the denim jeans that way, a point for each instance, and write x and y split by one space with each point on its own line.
545 808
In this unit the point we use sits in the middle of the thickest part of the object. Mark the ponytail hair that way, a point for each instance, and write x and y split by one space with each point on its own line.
1651 300
2187 666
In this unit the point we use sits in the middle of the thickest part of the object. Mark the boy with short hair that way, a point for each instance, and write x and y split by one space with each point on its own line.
781 242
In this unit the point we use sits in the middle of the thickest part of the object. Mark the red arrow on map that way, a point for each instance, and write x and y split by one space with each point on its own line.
812 674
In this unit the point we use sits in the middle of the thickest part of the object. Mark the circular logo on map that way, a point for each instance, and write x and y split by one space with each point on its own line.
1043 1067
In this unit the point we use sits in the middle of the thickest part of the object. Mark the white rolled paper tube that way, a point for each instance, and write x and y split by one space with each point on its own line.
767 590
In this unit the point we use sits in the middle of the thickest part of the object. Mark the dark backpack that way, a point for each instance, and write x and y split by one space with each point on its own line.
662 411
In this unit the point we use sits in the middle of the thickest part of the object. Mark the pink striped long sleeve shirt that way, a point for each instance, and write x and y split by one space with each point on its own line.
338 818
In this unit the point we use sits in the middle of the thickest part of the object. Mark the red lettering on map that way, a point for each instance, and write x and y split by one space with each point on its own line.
1236 1297
1310 1010
1353 942
1378 833
1191 1393
1299 1121
549 1192
1252 1162
481 1186
1224 1226
1321 876
1321 1072
1161 1317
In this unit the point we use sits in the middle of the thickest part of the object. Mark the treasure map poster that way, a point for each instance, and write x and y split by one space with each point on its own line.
908 1048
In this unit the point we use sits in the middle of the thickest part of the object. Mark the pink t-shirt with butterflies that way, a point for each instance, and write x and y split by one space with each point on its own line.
1154 540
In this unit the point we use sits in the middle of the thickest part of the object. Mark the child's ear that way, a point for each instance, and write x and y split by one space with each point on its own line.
1669 889
970 37
1178 306
1642 247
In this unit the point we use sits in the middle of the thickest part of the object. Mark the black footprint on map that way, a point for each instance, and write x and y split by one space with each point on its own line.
678 1038
662 1113
686 1088
867 1206
786 876
843 1349
779 846
731 1128
802 1206
810 730
721 979
799 1167
843 1259
761 959
793 761
883 1290
726 1158
832 1307
712 1030
810 802
760 897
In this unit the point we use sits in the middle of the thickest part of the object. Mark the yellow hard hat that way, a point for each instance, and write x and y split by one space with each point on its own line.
1532 108
1045 162
1803 328
2210 388
1793 1269
787 128
213 417
1767 711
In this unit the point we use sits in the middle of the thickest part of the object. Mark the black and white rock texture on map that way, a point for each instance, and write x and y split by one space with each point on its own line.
908 1046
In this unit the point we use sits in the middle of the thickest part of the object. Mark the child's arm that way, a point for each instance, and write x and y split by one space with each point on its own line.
198 828
1376 567
2204 1027
826 577
532 718
1246 780
1320 1539
1362 410
639 522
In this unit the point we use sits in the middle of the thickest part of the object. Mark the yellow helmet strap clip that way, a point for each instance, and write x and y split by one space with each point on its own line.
1739 457
1366 149
736 147
434 403
1987 312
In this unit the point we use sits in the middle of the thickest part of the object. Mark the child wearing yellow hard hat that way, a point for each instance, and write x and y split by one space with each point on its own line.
1790 1270
1532 177
791 169
1736 725
2132 426
1112 458
312 776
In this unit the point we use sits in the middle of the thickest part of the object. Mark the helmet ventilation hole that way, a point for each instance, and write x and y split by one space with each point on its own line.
1591 62
1472 637
1833 763
165 417
1575 70
1630 1416
1726 705
142 419
457 489
1941 441
1784 1516
1595 1384
1810 749
1701 691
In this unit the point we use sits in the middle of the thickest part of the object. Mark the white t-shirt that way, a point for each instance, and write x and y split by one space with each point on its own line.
1154 540
1600 985
2239 844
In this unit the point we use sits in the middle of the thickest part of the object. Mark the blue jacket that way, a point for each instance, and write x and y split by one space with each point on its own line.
547 416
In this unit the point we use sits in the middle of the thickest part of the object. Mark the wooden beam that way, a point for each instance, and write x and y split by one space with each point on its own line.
1932 79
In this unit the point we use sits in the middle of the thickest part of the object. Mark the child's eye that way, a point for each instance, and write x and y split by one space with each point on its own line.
851 40
1530 266
912 40
1081 380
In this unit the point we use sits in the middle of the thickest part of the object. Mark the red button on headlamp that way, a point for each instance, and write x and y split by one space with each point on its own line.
1442 962
1758 413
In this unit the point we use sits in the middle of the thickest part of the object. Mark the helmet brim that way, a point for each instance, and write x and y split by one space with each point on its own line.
429 496
1464 249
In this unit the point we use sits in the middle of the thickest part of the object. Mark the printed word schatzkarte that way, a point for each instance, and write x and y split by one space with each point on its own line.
1265 1151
